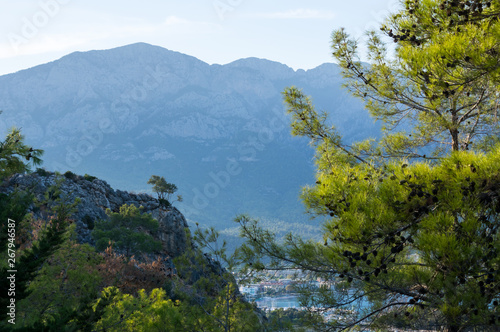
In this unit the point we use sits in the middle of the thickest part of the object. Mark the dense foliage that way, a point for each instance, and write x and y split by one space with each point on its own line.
122 231
412 236
419 242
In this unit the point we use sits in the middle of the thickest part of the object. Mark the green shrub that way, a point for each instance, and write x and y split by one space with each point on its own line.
164 203
87 220
89 177
121 230
70 175
42 172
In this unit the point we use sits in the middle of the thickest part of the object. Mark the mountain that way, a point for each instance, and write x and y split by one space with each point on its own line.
219 132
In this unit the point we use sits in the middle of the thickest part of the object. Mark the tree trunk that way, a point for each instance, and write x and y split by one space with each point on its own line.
454 129
454 139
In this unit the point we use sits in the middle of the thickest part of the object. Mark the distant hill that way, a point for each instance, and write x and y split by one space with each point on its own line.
219 132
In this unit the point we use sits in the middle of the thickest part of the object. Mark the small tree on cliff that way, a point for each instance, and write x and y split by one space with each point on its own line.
164 190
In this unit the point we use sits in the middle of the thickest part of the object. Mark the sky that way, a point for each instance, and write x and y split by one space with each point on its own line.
296 33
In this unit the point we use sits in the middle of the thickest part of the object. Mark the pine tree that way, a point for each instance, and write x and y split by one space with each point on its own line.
15 156
13 207
164 190
65 282
441 89
411 239
28 262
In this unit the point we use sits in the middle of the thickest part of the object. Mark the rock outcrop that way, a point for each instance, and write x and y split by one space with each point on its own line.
95 197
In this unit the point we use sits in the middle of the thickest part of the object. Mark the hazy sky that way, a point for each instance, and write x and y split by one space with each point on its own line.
293 32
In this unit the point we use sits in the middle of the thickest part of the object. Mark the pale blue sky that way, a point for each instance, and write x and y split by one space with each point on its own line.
293 32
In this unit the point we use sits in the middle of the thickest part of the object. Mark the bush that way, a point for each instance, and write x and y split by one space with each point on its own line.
87 220
89 178
121 230
42 172
70 175
164 203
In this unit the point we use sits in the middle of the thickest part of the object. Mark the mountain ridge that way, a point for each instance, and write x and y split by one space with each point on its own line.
148 47
130 112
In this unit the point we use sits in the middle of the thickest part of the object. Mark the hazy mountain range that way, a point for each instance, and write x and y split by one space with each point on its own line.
219 132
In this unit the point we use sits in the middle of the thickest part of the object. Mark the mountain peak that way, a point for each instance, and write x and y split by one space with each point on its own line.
272 69
138 53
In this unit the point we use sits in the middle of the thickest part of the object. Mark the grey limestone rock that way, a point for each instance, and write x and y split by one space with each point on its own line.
95 197
172 232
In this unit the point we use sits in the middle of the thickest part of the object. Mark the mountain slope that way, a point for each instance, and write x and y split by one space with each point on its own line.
217 131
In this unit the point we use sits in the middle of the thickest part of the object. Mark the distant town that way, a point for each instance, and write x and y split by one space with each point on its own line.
281 290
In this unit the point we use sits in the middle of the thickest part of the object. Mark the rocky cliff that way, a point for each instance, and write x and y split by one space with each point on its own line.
95 197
